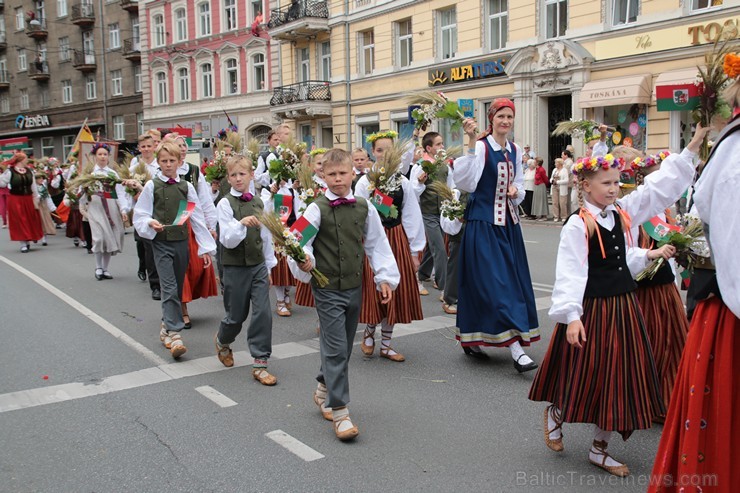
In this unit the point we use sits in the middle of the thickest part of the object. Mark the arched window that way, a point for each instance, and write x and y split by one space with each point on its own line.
158 30
183 84
181 25
258 72
161 89
204 19
206 77
232 77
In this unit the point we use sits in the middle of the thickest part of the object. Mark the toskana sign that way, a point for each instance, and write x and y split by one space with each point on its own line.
470 71
28 121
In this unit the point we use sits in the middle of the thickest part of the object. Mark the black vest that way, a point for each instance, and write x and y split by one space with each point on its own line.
392 222
193 175
20 183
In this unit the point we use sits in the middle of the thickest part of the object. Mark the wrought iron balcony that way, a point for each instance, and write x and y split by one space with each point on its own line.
303 100
36 28
130 5
300 19
4 79
132 49
38 70
83 61
83 15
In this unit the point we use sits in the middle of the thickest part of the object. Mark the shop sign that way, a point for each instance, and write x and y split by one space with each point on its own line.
471 71
28 121
711 32
466 106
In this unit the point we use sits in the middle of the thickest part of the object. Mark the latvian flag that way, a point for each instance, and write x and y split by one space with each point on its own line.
382 202
303 230
658 229
283 206
679 97
184 212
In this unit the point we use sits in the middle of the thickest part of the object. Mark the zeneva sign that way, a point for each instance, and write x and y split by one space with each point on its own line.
28 121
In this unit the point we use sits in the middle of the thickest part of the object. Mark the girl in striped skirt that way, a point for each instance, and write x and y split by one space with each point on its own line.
599 367
406 236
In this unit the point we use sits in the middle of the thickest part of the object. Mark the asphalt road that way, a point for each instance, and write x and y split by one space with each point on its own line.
90 401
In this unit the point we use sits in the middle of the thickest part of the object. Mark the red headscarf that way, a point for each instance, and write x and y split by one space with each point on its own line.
17 157
497 105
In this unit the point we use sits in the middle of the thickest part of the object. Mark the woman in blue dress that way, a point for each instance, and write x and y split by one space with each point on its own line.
496 305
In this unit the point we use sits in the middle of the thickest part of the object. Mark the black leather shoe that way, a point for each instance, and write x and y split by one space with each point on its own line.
473 353
99 277
523 368
142 275
156 294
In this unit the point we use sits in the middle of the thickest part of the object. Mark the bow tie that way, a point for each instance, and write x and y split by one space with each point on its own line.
246 197
171 181
341 201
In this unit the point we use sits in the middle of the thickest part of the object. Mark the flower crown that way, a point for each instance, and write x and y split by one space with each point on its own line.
320 150
732 65
100 145
652 160
597 163
388 134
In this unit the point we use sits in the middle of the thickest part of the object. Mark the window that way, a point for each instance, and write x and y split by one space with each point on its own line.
161 92
64 54
629 115
91 88
232 77
365 131
45 99
258 68
116 82
47 146
137 79
181 25
135 31
114 36
4 104
24 99
22 60
367 52
119 128
448 33
88 46
304 65
139 123
625 11
206 78
405 130
41 51
20 19
255 8
66 91
183 84
229 15
68 142
61 8
404 48
204 19
705 4
498 19
556 18
306 136
158 30
451 137
326 60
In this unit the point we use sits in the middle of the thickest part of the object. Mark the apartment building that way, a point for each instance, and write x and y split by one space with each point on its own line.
207 62
347 67
63 62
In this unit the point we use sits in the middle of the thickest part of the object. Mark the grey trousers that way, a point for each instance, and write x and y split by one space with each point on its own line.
171 259
435 254
243 285
450 291
339 312
151 267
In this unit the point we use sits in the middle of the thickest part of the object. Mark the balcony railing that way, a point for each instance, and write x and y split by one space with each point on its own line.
132 49
36 28
83 61
4 79
303 18
83 14
302 100
38 70
130 5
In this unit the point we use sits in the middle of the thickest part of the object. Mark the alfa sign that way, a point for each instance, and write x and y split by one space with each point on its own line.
471 71
28 121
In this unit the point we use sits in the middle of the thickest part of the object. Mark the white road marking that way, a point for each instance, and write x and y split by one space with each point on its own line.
94 317
294 445
530 241
210 393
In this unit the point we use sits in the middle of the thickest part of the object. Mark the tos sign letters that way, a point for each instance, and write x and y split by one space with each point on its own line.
28 121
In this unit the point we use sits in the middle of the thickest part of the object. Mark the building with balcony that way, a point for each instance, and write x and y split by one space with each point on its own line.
66 62
557 59
205 64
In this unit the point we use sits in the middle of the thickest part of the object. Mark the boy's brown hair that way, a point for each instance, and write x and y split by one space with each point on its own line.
170 147
144 137
336 157
239 161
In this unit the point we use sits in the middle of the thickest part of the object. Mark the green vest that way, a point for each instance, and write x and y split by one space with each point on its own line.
429 200
248 252
166 204
338 245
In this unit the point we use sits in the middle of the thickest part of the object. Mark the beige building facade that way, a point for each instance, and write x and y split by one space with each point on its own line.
346 68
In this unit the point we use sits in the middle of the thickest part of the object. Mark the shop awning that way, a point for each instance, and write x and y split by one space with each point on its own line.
635 89
676 77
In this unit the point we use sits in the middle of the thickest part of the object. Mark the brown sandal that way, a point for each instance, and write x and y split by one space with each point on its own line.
325 411
263 376
555 445
599 448
368 350
348 434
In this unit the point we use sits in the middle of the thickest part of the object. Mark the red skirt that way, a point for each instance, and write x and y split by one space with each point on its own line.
701 434
74 223
304 295
280 274
612 381
666 325
199 282
24 221
405 304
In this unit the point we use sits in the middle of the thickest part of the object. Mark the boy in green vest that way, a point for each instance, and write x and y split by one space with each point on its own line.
345 227
160 215
247 258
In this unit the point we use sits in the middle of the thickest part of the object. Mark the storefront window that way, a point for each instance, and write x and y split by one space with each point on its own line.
68 141
630 122
47 146
405 130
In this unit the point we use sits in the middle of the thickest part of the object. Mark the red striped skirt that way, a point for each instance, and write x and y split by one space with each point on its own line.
666 325
612 381
701 432
405 304
304 295
280 274
24 221
74 223
199 282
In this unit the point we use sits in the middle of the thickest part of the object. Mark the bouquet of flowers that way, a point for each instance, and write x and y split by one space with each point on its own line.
252 151
435 105
289 158
442 158
309 189
451 207
690 243
384 176
287 242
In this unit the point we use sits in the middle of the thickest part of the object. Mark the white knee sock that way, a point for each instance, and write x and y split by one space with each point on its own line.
98 261
517 352
596 456
106 260
286 294
386 333
370 334
551 423
279 293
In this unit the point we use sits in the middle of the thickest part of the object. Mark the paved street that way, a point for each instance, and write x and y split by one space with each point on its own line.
117 414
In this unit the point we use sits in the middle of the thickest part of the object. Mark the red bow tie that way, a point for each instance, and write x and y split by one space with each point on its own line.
341 201
246 197
171 181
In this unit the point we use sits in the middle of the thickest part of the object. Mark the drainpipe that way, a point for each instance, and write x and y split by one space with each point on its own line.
348 89
105 71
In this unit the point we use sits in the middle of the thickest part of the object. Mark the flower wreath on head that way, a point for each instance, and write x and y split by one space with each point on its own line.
320 150
100 145
597 163
388 134
650 161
